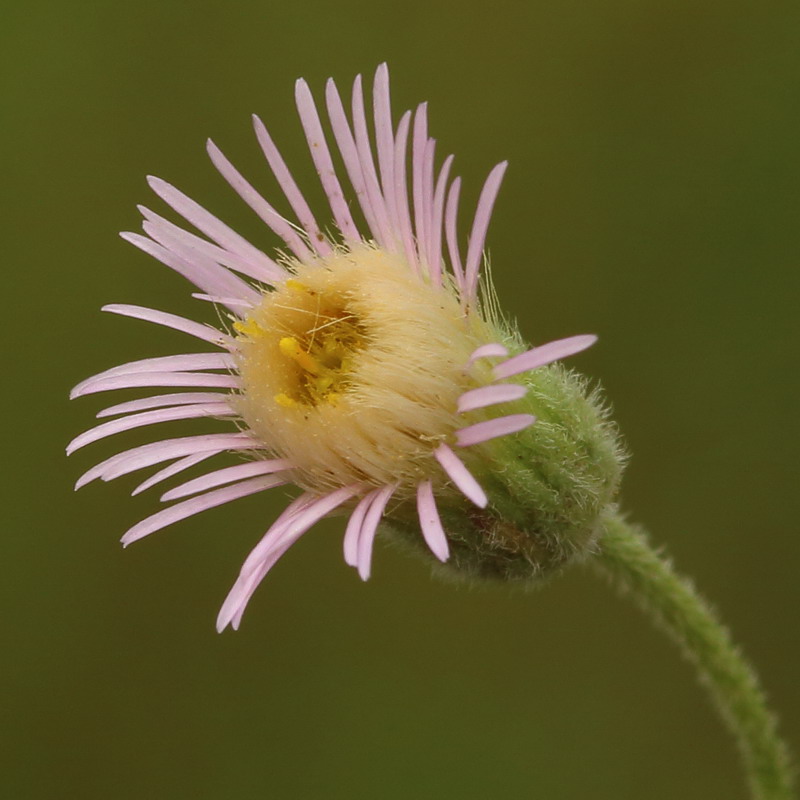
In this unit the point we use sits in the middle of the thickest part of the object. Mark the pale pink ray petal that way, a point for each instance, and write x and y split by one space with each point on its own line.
191 269
219 300
309 514
293 194
197 329
460 475
195 505
188 260
451 231
216 253
147 455
384 142
430 523
490 396
236 601
284 538
278 224
545 354
491 350
181 362
370 528
323 162
217 230
492 428
191 259
148 418
173 469
401 191
186 362
253 581
435 243
162 401
347 147
229 475
419 142
384 233
353 531
427 202
205 379
480 226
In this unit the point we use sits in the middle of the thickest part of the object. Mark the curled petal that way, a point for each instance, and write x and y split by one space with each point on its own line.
460 475
430 523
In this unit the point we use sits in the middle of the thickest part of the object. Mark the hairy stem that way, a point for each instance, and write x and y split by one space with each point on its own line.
676 607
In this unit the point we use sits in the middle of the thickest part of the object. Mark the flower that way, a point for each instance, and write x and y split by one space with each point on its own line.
362 366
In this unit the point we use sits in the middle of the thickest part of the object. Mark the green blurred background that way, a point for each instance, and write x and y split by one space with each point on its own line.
652 198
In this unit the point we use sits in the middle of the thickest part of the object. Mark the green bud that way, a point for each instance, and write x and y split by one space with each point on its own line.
548 487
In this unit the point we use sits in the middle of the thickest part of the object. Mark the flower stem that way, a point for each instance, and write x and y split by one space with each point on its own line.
675 606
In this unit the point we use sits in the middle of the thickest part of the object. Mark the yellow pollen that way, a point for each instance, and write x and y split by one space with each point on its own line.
284 400
249 329
290 347
293 283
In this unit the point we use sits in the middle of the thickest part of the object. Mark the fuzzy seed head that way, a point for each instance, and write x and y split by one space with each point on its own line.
353 367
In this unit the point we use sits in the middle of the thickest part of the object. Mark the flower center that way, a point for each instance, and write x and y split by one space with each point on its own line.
352 369
319 352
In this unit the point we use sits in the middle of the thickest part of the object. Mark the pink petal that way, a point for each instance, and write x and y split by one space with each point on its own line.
194 261
265 211
460 475
369 529
162 401
147 455
219 300
451 231
148 418
139 379
479 227
490 396
545 354
383 233
290 189
315 510
236 601
190 260
347 147
180 363
437 212
322 161
173 469
418 144
198 269
491 429
196 329
430 523
195 505
353 531
217 230
229 474
401 191
216 253
487 351
427 202
384 140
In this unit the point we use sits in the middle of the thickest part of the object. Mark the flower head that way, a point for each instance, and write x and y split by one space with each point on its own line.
365 366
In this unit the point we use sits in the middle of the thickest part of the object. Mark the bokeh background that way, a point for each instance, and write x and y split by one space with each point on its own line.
652 198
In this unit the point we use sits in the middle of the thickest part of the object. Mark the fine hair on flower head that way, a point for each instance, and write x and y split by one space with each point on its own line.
363 361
